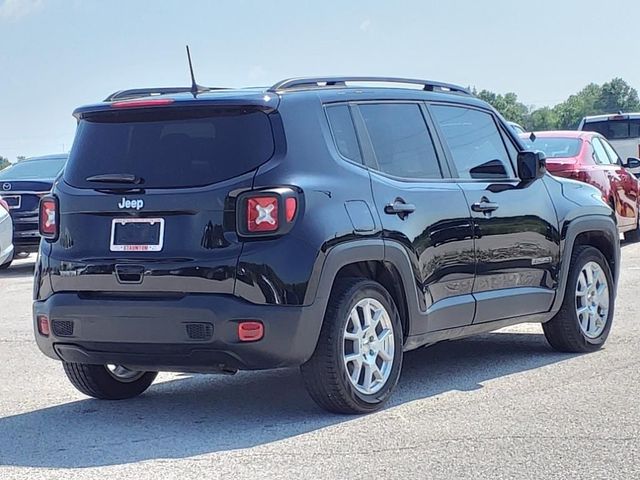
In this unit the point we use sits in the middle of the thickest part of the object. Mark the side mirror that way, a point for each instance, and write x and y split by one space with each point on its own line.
632 163
531 165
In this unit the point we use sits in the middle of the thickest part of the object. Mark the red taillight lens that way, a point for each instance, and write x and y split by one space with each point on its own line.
4 205
262 214
250 331
157 102
43 325
48 221
291 204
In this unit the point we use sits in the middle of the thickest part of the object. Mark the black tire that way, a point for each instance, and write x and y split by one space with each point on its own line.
96 381
4 266
563 332
633 236
325 374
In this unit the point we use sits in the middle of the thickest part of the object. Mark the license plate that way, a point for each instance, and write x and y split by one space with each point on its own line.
137 234
14 201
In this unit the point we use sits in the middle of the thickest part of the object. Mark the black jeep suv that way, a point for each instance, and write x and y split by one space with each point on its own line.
318 223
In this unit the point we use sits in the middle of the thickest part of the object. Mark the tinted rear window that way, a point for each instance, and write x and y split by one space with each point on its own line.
615 129
555 147
33 169
170 148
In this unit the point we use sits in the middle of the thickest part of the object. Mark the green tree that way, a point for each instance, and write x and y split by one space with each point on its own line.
544 118
20 158
4 162
579 105
507 104
618 96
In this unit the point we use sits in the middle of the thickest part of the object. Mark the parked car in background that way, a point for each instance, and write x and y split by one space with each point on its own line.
21 187
6 236
516 127
622 130
590 158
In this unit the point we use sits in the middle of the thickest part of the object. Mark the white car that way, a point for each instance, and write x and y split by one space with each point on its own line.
622 130
6 236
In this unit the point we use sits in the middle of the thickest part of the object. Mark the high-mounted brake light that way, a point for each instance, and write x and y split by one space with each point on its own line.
48 217
155 102
618 117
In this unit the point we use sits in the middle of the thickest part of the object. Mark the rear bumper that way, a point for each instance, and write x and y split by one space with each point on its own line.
152 333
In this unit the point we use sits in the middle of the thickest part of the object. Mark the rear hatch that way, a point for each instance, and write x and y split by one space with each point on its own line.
147 198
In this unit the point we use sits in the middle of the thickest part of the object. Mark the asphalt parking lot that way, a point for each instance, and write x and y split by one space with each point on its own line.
502 405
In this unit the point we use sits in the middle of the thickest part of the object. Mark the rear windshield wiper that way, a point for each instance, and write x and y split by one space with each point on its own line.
115 178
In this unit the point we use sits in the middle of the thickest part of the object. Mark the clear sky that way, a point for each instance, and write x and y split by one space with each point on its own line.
59 54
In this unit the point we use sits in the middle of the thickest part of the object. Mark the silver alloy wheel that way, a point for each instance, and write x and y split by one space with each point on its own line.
123 374
592 300
368 346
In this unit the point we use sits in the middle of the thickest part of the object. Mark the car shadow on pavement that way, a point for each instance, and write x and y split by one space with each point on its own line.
202 414
21 268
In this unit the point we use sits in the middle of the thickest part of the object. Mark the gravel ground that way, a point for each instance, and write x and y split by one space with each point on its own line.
502 405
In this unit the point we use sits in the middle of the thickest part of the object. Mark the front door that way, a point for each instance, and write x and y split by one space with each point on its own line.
516 234
421 209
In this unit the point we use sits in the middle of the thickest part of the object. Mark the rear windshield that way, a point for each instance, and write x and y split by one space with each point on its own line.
34 169
170 148
555 147
615 129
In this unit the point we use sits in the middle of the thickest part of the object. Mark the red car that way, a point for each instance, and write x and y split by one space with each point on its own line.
590 158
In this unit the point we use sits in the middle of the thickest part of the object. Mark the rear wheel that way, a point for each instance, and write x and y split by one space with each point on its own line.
357 361
584 320
108 382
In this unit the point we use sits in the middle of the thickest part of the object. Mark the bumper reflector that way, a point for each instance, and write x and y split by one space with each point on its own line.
250 331
43 325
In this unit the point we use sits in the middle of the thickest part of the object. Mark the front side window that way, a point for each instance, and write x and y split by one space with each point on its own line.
401 141
476 145
613 155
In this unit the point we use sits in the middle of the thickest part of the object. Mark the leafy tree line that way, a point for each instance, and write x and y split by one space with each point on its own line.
4 162
611 97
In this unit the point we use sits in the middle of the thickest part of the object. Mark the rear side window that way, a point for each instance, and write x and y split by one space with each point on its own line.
344 133
401 141
600 154
475 142
615 129
170 148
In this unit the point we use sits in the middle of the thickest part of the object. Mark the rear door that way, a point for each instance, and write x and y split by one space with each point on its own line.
421 209
624 183
146 201
516 234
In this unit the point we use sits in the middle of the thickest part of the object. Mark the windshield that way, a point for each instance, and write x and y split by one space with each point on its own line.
615 129
169 149
555 147
44 169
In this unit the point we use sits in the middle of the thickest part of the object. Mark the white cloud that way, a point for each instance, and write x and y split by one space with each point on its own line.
365 26
16 9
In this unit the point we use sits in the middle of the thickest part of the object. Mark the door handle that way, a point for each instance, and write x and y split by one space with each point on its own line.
484 206
399 207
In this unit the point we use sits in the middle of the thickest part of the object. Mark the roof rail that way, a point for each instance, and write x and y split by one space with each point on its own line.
146 92
321 82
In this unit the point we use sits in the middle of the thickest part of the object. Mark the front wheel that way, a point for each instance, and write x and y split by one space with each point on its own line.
358 358
584 320
108 382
